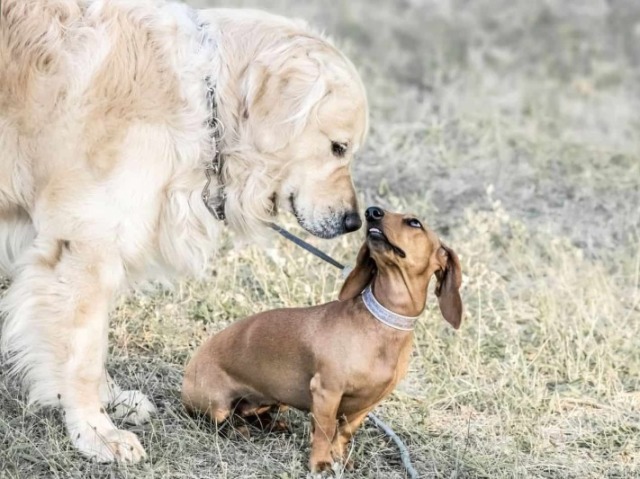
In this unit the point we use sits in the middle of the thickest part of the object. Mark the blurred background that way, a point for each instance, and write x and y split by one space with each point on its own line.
538 98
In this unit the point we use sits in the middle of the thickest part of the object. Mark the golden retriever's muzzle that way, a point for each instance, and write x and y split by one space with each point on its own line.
327 224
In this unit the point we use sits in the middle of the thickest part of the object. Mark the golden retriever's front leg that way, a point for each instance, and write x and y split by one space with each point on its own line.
55 334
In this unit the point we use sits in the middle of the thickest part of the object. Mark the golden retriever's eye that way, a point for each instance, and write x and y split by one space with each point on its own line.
338 149
414 223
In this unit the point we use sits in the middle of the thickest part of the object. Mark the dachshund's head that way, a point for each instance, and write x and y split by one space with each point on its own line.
403 252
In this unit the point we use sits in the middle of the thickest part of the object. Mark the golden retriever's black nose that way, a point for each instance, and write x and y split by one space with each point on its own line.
373 213
352 221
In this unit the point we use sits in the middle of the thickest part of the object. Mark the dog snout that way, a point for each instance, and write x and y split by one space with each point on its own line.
352 222
374 213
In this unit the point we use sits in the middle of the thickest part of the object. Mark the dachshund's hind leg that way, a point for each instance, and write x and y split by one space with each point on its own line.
205 391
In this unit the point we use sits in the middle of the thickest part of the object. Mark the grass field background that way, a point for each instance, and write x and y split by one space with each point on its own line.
510 126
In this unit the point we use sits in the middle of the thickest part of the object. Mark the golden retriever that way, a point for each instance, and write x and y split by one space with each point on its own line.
110 115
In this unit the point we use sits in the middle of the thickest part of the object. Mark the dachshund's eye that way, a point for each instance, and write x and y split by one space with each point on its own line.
414 223
338 149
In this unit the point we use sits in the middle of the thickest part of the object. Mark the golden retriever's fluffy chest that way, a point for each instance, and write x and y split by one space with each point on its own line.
106 102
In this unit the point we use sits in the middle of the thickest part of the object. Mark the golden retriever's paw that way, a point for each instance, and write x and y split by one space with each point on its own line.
133 407
108 445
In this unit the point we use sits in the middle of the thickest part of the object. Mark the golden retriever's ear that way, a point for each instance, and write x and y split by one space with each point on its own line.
279 99
448 286
361 275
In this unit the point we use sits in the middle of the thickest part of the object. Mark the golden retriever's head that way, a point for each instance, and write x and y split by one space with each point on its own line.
303 118
316 184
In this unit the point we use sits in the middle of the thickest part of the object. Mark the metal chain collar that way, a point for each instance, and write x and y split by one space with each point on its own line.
214 169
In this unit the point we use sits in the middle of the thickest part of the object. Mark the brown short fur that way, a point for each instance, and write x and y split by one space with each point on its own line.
335 360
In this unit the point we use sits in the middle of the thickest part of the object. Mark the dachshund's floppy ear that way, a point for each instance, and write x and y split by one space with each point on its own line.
448 286
361 275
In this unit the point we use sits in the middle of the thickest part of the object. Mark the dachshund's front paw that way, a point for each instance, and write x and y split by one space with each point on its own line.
320 464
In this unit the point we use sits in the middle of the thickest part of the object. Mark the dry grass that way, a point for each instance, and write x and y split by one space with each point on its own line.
512 128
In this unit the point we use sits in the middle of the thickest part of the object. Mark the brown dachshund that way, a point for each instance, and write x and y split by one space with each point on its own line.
337 360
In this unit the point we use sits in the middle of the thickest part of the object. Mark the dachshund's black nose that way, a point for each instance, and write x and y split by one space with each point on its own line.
352 222
373 213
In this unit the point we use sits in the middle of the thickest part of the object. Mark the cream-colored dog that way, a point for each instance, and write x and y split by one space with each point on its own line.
109 117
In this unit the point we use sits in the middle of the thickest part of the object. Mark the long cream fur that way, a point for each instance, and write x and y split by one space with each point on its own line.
103 146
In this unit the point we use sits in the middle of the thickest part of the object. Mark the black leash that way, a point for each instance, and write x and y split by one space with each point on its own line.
303 244
404 452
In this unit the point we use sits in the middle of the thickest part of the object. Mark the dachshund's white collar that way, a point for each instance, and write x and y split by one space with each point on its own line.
382 314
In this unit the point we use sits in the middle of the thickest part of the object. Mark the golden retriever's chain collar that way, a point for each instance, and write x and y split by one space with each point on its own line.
215 168
386 316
